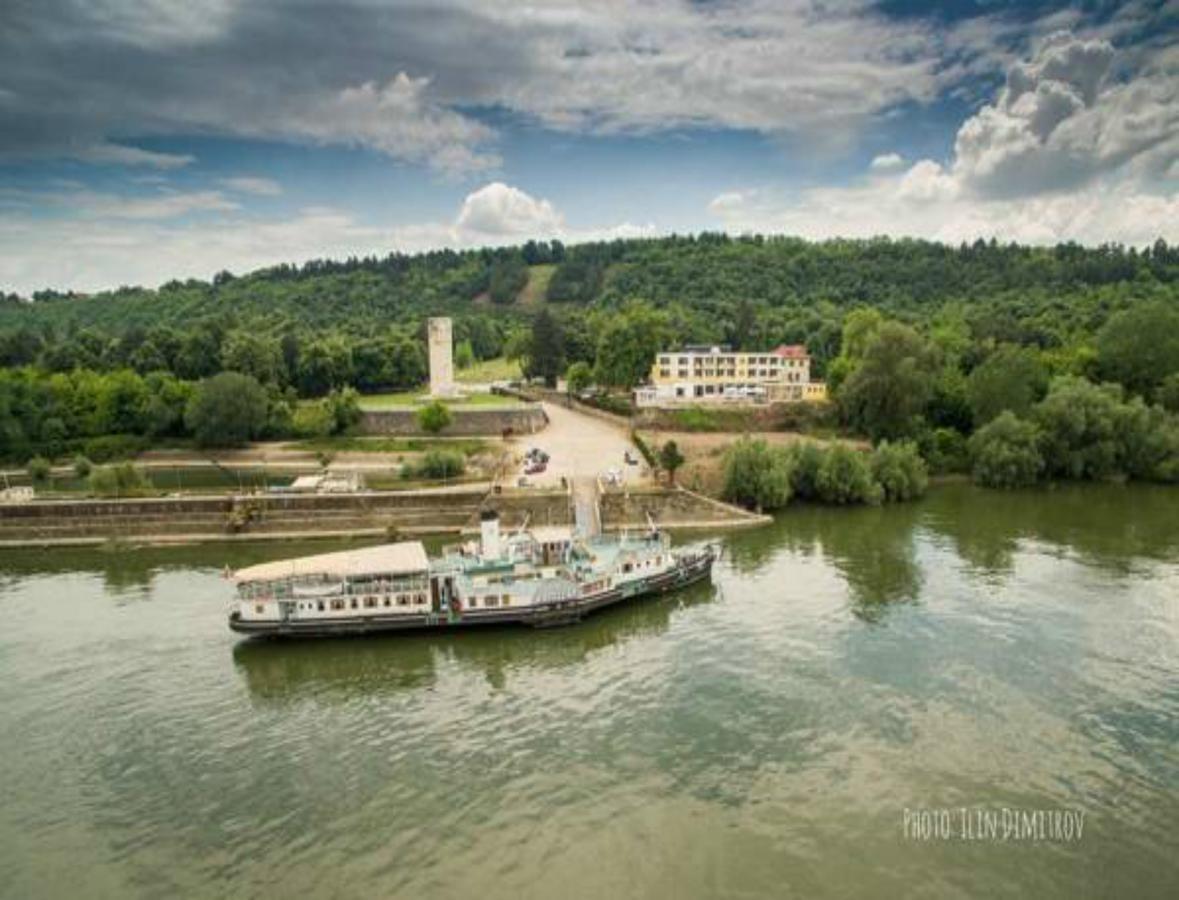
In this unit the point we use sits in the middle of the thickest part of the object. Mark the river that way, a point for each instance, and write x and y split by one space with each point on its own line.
848 676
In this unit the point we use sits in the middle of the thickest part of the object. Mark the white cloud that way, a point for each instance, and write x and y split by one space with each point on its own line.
500 211
252 184
108 240
106 153
1059 155
887 162
1058 124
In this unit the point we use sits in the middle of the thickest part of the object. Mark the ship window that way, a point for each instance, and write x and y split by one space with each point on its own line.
354 603
370 602
507 599
319 606
388 602
402 600
492 600
258 607
475 602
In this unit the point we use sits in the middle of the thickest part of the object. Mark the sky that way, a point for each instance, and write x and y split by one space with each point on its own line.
145 140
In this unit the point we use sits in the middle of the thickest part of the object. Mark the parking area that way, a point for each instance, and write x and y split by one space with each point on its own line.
581 446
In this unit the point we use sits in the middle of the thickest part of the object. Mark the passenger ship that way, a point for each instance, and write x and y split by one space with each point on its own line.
545 576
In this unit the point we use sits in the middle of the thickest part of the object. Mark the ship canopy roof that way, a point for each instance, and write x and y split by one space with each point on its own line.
386 559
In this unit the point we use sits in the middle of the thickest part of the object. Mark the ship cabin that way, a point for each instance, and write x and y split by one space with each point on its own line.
389 579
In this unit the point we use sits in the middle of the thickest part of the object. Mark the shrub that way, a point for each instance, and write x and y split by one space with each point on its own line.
82 466
1006 452
805 460
118 480
899 470
945 450
433 417
845 477
1168 393
757 475
38 468
441 464
313 420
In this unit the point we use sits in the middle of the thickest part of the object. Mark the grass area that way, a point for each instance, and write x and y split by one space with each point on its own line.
378 444
498 369
417 399
538 283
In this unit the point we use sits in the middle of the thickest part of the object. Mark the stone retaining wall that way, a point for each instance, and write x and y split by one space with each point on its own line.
464 422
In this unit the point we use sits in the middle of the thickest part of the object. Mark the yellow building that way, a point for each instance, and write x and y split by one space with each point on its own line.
717 374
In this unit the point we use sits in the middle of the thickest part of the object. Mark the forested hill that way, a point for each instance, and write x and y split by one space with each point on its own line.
748 291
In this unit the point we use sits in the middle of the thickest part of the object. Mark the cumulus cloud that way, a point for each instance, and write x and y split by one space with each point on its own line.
1060 154
1058 123
501 211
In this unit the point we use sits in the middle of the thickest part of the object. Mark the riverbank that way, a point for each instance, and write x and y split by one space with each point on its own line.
243 517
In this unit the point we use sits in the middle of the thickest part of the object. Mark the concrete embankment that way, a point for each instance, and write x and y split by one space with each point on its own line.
253 517
368 514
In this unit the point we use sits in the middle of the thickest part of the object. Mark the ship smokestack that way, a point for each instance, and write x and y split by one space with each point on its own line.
489 534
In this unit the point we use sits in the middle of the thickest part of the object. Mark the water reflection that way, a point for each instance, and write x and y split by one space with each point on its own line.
278 671
1116 528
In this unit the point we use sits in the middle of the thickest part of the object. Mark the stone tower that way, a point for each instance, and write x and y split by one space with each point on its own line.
441 357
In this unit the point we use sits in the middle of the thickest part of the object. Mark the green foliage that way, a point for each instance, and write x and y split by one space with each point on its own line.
670 459
438 464
946 450
38 468
313 420
845 477
433 417
546 349
1139 347
1168 393
645 450
108 447
580 376
899 470
1011 378
120 480
757 475
806 458
82 466
464 355
628 343
887 391
507 279
1079 422
1006 452
227 410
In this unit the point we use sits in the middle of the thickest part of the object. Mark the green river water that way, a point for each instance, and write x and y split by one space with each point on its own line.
776 733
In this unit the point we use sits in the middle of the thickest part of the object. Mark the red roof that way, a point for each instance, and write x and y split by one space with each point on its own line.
792 351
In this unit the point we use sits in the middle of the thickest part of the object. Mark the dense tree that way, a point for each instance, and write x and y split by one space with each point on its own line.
627 345
1006 452
1079 421
1139 347
1012 378
227 410
899 470
844 477
546 349
892 383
